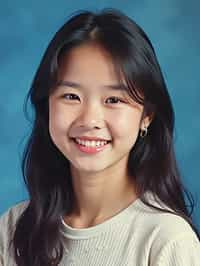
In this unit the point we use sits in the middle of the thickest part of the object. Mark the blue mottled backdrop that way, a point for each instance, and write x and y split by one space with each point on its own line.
25 30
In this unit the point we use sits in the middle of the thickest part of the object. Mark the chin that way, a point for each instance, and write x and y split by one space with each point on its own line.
88 169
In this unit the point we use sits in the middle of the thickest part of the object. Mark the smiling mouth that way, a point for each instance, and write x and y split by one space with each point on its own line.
90 147
91 143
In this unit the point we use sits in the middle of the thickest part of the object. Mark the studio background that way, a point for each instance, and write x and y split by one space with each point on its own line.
26 28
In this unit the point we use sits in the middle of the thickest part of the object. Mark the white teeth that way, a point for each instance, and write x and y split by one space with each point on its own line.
92 143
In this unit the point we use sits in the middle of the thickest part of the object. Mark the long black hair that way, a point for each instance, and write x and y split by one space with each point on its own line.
46 172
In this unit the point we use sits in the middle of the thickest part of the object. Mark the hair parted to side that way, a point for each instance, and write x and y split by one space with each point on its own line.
46 171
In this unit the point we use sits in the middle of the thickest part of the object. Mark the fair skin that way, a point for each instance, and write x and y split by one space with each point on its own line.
101 183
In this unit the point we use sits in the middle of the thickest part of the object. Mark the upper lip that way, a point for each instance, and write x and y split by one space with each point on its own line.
91 138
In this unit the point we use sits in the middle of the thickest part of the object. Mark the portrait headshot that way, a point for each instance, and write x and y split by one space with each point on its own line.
99 140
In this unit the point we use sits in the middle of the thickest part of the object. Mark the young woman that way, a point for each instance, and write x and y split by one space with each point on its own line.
100 165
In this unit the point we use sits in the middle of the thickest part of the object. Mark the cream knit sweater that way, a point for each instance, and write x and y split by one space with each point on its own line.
136 236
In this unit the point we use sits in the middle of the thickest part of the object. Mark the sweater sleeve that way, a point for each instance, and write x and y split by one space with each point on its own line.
7 226
183 251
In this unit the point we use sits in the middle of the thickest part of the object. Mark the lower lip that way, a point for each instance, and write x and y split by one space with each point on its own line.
90 150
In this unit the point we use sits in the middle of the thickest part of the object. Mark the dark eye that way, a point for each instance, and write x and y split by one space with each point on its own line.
70 96
115 100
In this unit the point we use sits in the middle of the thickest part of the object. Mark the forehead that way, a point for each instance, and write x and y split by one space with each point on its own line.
88 63
91 67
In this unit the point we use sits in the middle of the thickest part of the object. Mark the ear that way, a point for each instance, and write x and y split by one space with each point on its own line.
146 121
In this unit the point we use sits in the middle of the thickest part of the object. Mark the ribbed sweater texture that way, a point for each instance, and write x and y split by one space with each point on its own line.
136 236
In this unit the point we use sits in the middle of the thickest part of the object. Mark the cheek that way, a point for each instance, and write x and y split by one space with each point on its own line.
57 120
127 124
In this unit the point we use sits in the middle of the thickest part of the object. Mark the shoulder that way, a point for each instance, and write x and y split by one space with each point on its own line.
174 242
167 237
13 213
167 224
8 222
7 227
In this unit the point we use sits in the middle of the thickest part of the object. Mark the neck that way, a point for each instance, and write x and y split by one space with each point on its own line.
98 198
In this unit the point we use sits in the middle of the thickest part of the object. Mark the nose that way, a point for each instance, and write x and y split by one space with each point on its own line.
91 116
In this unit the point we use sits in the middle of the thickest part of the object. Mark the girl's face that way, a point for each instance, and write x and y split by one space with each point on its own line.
88 102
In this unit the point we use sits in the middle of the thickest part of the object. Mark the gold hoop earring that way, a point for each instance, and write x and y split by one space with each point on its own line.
143 132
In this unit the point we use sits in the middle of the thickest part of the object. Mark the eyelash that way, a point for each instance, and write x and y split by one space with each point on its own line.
72 94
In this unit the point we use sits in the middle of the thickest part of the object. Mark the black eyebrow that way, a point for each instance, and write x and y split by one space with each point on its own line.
118 87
